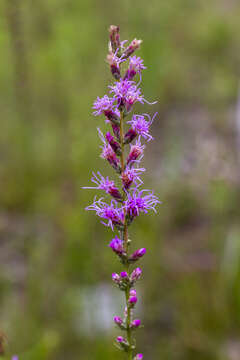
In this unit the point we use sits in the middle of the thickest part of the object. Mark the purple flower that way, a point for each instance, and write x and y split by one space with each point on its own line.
118 320
135 66
104 184
117 246
131 175
133 292
135 323
15 357
121 339
137 202
139 357
116 278
111 213
132 300
124 275
136 274
105 105
126 93
141 126
136 151
138 254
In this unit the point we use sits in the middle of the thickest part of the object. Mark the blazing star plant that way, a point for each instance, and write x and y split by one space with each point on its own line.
128 201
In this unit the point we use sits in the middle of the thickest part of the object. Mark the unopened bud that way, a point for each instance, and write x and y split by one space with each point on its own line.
114 37
135 323
113 143
137 254
135 44
136 274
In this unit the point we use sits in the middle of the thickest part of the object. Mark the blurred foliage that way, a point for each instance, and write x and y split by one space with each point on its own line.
53 255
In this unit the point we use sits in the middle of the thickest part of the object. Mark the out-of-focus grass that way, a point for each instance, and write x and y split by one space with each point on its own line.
53 254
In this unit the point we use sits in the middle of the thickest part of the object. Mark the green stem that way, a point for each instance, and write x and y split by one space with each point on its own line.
125 242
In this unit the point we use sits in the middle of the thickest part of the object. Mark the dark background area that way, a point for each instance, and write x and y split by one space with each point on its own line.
56 296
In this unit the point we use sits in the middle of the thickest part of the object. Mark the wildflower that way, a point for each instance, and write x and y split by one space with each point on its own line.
136 274
136 152
138 254
135 44
118 320
140 126
137 202
138 357
116 278
111 213
105 184
131 175
114 37
117 246
132 292
132 300
126 93
135 66
125 206
105 105
113 143
135 323
108 153
124 275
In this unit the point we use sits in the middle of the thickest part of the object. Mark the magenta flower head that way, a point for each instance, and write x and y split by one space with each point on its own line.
135 323
136 274
135 66
138 357
122 146
118 320
132 300
138 254
117 246
15 357
116 278
140 126
121 339
111 213
124 275
132 292
140 201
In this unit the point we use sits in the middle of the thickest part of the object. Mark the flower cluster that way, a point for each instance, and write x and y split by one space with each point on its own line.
127 201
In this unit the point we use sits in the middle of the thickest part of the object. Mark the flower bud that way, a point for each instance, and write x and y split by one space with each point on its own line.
118 321
135 323
133 292
123 343
117 246
137 254
130 136
116 278
114 37
132 300
124 274
135 151
113 143
136 274
116 130
114 66
120 339
135 44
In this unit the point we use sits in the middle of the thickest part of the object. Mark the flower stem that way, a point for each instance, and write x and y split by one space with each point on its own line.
125 241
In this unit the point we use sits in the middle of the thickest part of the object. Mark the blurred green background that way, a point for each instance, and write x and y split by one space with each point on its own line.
56 296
